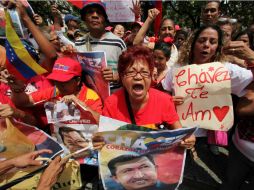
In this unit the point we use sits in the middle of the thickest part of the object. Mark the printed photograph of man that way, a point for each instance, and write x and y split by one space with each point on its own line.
134 172
73 140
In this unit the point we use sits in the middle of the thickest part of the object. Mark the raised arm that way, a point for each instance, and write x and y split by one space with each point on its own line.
45 46
152 13
18 95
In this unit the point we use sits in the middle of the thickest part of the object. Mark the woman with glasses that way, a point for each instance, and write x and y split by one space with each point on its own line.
136 102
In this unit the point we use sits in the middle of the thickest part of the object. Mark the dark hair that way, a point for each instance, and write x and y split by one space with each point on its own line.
215 1
67 130
250 36
187 55
164 19
125 158
132 54
179 32
164 47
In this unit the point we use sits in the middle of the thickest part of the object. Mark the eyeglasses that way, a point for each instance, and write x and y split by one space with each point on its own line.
230 20
144 74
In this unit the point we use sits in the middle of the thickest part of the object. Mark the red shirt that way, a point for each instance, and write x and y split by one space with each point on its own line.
159 108
86 95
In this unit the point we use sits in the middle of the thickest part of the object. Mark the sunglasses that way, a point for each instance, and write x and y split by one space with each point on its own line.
230 20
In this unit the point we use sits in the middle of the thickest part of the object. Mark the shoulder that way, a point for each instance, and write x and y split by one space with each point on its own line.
159 94
115 97
114 40
236 69
88 93
81 41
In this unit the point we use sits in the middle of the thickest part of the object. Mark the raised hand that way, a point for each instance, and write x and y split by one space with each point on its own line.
136 9
38 19
153 13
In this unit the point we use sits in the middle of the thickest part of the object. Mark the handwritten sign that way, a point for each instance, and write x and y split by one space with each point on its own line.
206 90
119 11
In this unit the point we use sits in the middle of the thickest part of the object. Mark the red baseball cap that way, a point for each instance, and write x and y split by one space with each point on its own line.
65 69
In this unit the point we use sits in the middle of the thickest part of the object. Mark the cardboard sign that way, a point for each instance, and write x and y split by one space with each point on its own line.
119 11
206 90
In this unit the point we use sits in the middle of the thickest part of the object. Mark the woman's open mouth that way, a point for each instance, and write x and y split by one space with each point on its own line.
204 53
138 89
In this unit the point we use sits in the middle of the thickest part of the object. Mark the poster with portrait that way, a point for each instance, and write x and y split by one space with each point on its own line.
21 31
73 128
17 138
92 64
57 111
142 160
206 90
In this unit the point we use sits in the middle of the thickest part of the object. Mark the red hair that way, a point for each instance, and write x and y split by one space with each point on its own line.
132 54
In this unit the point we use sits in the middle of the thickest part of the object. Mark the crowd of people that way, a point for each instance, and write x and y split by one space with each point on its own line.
140 71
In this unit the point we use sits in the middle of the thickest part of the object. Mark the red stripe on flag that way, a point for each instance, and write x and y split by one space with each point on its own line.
14 71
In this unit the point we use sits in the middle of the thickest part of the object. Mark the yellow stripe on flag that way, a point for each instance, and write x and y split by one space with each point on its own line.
19 48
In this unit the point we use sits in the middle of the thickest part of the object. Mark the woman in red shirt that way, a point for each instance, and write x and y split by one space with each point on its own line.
136 102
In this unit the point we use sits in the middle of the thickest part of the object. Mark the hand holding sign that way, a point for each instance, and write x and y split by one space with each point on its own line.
206 92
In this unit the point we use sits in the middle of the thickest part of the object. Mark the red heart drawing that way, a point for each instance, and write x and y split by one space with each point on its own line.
220 113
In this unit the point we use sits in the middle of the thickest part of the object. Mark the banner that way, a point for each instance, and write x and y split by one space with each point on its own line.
206 90
18 138
119 10
69 179
92 64
142 160
109 124
73 128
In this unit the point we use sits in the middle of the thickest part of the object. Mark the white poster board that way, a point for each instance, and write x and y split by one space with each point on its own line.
119 10
206 90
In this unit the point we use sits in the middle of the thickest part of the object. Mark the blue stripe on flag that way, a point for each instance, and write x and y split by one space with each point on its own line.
25 70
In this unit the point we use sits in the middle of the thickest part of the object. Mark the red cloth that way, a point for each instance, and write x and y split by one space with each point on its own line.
159 108
6 100
157 22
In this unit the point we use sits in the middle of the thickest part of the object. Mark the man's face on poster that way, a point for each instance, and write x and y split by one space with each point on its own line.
74 141
139 173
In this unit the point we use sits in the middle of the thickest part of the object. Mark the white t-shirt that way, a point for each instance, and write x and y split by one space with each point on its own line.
173 57
240 79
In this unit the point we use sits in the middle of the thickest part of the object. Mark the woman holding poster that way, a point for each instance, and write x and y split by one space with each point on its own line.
136 102
206 82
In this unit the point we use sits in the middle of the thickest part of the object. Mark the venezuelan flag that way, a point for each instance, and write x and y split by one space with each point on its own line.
19 62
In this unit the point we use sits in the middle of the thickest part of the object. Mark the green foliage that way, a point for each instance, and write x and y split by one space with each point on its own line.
188 13
185 13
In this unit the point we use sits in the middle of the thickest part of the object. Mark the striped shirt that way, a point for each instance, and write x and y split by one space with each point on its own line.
112 45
